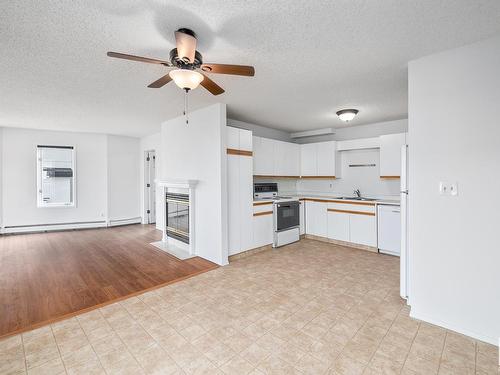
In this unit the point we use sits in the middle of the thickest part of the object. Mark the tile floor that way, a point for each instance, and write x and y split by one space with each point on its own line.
309 308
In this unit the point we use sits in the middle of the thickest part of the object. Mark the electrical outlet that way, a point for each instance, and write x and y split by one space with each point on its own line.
454 189
443 188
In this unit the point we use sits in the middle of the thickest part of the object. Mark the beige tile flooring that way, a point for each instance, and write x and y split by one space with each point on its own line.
308 308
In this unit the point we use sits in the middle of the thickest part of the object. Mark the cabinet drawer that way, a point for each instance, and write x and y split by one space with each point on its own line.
262 208
362 208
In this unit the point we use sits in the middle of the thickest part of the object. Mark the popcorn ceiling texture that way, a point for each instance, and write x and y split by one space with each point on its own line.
311 58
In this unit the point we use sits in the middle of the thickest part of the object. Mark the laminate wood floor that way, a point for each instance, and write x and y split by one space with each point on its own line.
47 276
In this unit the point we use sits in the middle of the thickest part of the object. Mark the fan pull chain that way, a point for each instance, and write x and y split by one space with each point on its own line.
186 106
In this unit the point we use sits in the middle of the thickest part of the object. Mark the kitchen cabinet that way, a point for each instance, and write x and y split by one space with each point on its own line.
389 229
318 159
390 154
338 226
363 230
239 191
302 220
352 222
316 218
263 152
262 225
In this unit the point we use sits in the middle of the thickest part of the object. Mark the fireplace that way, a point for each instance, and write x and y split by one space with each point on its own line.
177 218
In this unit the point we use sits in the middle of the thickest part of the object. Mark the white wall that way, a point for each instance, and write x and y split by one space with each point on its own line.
18 169
454 135
261 131
150 143
198 151
123 178
366 179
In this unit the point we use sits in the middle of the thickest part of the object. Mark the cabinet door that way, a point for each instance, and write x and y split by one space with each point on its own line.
266 163
262 230
293 159
233 138
316 219
363 229
233 204
245 140
245 202
279 160
390 154
326 158
308 161
338 226
302 214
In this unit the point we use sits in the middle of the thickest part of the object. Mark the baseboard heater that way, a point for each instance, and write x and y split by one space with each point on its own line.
67 226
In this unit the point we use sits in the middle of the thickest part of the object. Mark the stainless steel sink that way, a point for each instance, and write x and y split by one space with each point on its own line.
357 198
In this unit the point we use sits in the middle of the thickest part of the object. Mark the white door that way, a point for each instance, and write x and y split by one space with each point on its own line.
233 199
338 226
150 187
389 229
326 158
302 220
308 161
246 202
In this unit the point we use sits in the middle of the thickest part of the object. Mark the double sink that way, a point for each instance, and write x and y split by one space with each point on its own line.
357 198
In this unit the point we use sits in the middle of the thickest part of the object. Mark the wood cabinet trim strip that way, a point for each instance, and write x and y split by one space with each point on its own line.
340 201
273 176
319 177
262 203
233 151
263 213
351 212
391 177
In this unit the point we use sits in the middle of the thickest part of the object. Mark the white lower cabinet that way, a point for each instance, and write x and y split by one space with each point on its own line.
262 230
316 218
338 226
363 229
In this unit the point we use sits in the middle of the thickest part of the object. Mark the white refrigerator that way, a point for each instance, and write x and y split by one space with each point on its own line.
404 223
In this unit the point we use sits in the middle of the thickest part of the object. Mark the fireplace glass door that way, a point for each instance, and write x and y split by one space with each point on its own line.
178 216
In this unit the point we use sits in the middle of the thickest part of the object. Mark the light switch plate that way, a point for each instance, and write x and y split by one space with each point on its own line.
443 188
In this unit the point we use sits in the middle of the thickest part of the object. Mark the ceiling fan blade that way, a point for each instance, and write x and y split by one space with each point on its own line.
160 82
211 86
137 58
239 70
186 44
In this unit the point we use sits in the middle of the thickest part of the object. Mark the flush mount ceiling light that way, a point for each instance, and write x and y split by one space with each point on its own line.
185 78
347 115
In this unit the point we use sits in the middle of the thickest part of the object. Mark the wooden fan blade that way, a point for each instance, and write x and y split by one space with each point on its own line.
160 82
239 70
211 86
137 58
186 45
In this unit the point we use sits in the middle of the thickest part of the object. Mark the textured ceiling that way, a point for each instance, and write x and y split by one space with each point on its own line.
311 58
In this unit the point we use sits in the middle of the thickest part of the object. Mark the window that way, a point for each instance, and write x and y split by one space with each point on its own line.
55 176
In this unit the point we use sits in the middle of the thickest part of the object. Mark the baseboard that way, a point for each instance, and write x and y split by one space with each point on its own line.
342 243
452 327
117 222
247 253
53 227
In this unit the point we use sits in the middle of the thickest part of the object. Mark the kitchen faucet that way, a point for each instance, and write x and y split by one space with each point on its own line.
358 193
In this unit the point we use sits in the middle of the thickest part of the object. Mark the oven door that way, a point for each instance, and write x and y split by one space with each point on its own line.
287 216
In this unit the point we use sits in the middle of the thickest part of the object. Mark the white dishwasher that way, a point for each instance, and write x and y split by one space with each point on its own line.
389 229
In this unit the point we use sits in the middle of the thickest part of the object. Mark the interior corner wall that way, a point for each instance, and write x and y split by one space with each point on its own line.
198 151
454 136
1 183
123 179
150 143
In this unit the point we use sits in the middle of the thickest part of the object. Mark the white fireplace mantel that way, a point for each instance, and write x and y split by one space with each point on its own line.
176 183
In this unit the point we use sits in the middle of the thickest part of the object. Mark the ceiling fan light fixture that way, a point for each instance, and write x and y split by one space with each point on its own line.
347 115
185 78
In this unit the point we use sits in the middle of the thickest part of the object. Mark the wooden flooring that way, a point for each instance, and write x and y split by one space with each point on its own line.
47 276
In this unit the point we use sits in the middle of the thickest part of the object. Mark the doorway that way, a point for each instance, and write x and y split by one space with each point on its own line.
150 187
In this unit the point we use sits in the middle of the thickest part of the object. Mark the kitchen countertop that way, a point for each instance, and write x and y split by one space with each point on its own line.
394 202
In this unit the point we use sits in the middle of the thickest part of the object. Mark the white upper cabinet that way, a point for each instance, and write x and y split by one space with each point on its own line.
390 154
308 160
326 158
263 156
275 158
246 139
233 138
318 159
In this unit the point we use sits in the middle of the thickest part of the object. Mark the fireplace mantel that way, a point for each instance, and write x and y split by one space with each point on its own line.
176 183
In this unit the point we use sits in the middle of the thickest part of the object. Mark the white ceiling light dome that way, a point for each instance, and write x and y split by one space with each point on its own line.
347 115
185 78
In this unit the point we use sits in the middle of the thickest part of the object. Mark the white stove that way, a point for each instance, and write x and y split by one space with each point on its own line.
286 213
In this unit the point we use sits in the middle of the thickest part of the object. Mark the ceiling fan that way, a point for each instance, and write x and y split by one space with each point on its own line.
189 67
